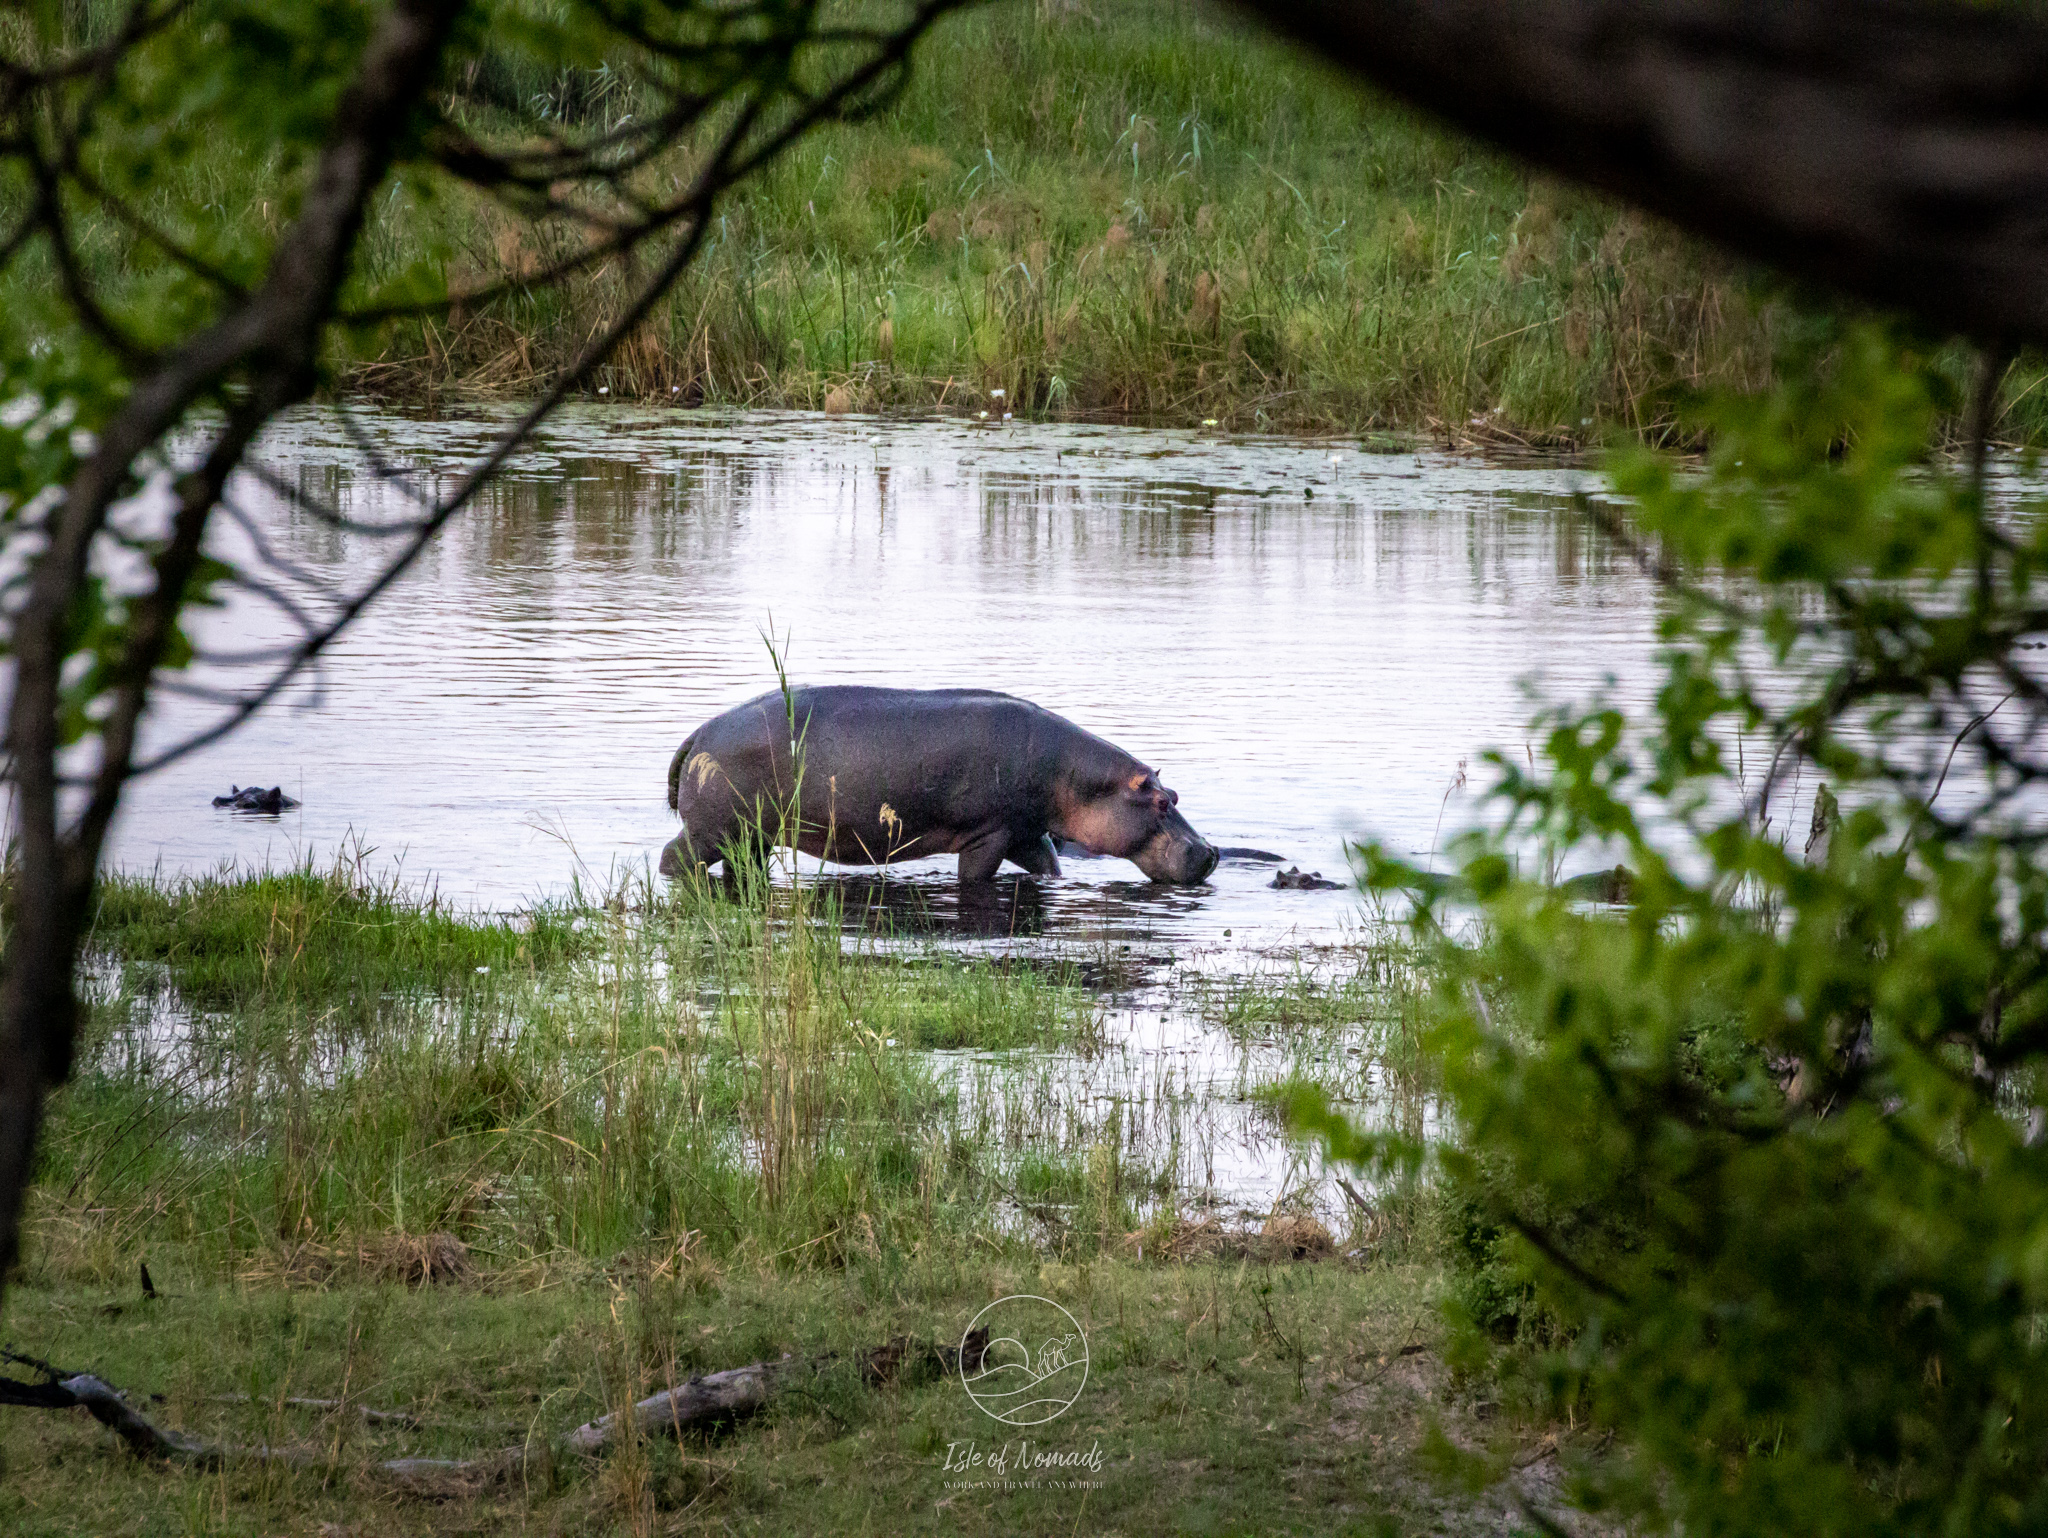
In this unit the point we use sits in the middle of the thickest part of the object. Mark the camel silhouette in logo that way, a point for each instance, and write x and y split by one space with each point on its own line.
1015 1384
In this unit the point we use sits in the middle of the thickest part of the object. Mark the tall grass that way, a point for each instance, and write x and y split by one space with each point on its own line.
1130 209
302 1071
1137 209
304 1062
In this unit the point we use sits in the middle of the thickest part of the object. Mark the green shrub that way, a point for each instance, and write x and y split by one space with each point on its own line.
1765 1148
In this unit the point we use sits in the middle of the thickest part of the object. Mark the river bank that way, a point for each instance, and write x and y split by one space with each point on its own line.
1150 214
1145 212
521 1169
1139 213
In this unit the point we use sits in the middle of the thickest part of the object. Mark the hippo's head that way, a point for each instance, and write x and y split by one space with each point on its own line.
1138 818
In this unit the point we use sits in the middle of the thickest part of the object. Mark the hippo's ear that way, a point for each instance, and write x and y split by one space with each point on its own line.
1140 781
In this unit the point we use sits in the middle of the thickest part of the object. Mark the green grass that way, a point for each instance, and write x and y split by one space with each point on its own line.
1142 210
1374 991
1224 1398
330 937
957 1004
674 1129
1138 210
306 1061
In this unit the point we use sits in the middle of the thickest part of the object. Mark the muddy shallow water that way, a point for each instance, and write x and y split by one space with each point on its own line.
1305 647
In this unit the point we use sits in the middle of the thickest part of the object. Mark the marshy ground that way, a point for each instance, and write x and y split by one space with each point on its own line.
495 1176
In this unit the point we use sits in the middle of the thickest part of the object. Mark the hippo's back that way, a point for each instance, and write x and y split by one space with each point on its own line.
852 727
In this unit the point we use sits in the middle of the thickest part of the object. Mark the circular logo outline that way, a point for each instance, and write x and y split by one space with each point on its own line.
1043 1370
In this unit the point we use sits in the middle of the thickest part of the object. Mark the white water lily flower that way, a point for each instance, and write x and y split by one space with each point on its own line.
480 971
996 394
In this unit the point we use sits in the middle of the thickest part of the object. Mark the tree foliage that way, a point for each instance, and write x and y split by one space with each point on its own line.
1758 1159
191 199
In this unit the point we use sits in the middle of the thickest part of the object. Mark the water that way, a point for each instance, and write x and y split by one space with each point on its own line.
1310 650
1305 649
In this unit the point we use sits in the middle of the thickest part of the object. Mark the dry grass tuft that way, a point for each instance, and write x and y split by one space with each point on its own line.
1183 1241
1290 1236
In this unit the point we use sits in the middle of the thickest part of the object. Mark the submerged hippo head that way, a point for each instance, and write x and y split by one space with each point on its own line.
1138 818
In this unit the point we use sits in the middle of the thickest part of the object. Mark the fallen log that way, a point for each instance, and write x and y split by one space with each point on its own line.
85 1391
724 1395
710 1399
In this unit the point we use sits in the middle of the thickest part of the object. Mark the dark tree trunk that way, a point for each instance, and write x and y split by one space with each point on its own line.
1894 151
270 342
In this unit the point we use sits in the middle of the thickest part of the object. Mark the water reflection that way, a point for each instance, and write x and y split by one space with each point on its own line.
885 906
1304 648
1308 650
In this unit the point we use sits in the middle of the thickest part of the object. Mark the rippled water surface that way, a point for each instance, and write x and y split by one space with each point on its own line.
1305 647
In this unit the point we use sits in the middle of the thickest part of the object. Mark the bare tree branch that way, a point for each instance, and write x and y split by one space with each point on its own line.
261 355
278 330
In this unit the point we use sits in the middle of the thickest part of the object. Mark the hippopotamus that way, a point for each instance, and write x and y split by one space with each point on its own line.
253 798
1295 879
881 775
1616 887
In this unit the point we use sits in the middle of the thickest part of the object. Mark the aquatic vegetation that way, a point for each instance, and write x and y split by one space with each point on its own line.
340 937
304 1063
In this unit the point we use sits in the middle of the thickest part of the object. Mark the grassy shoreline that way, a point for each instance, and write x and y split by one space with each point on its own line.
672 1132
1144 212
1140 213
1133 212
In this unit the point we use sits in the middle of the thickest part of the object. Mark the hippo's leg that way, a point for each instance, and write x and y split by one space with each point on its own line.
980 860
712 836
1035 856
678 859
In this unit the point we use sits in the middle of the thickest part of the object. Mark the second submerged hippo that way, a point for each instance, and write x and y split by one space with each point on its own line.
866 776
253 798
